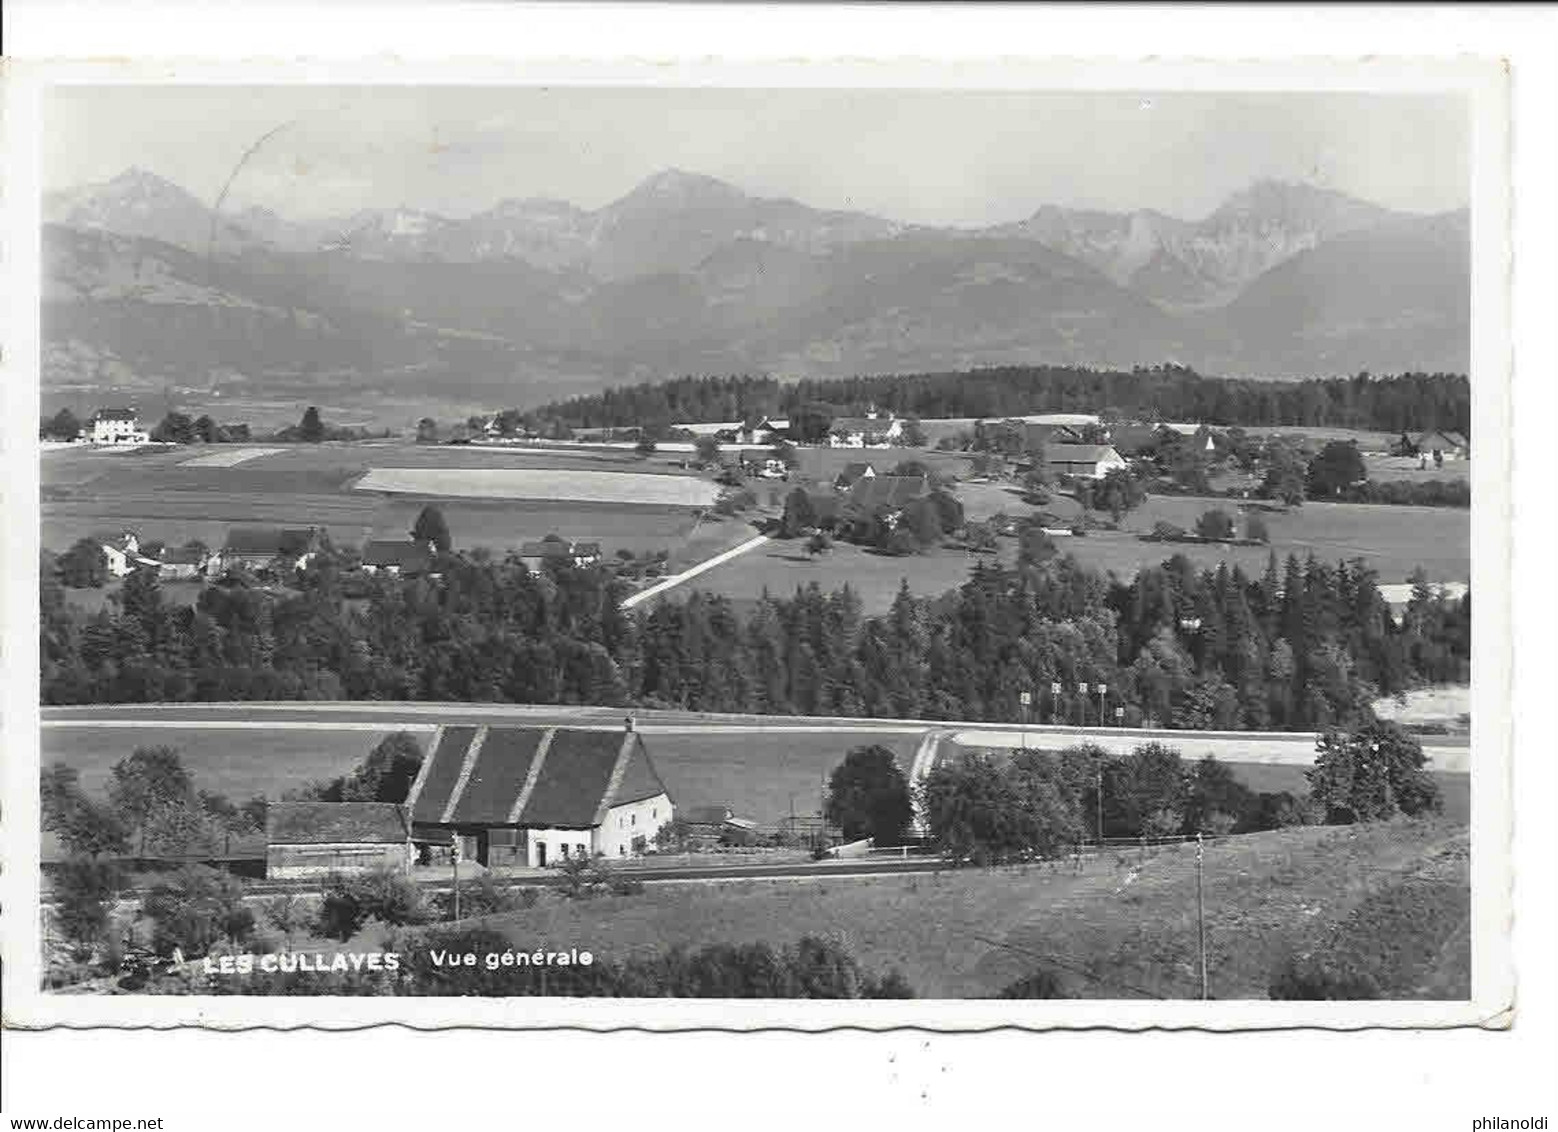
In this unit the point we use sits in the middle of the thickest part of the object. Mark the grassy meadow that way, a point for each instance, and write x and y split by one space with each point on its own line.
1123 926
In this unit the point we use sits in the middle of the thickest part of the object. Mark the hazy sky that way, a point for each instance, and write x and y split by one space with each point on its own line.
920 156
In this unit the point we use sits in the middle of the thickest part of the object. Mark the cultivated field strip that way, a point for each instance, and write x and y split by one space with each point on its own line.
228 458
542 483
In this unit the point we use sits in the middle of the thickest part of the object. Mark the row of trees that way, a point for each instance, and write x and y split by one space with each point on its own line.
1170 392
1305 645
986 809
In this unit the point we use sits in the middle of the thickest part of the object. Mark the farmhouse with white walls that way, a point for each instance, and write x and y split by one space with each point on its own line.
537 796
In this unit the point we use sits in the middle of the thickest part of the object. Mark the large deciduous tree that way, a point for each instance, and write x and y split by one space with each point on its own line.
1286 476
150 778
868 795
1372 773
196 908
1117 493
1337 466
84 565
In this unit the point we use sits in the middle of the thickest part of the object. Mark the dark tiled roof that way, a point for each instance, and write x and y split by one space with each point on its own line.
706 815
1454 439
498 775
438 778
638 779
183 556
580 774
1039 432
115 415
573 780
272 541
322 823
586 549
406 555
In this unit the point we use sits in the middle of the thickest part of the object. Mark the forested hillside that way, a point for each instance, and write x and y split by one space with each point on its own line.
1410 401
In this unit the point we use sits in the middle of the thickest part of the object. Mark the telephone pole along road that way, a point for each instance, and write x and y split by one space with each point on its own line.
1446 754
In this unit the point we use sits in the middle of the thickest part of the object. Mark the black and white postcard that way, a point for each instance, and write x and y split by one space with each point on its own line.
811 545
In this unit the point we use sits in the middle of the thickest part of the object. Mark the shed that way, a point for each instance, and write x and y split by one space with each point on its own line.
312 838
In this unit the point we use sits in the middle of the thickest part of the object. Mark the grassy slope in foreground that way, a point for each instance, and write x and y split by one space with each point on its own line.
1124 923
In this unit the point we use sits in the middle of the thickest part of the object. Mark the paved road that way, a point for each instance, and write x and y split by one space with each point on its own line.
692 572
1445 753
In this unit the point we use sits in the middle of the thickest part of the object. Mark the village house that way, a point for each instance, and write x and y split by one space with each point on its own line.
123 553
1437 445
306 839
1085 461
537 796
1029 434
853 474
708 826
182 563
259 548
870 431
556 549
396 557
763 431
117 426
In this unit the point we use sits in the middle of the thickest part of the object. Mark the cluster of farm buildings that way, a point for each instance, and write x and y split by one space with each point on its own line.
507 797
283 549
516 796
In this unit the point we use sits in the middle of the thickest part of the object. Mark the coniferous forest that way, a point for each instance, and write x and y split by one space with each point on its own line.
1412 401
1305 645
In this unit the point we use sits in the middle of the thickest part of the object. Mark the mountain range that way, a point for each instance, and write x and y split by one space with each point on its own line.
146 286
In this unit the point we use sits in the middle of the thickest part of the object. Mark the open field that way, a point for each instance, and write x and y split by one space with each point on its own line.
238 764
1406 468
783 566
1124 925
158 494
161 497
757 775
228 457
1395 541
541 483
1367 440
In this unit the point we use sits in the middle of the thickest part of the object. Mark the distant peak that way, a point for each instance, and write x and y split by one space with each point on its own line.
679 184
135 176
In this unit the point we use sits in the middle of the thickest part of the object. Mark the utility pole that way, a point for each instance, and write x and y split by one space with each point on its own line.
1102 689
454 856
1098 798
1201 912
1054 702
1026 699
1082 703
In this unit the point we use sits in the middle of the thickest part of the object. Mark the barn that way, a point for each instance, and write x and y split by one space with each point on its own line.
312 838
535 796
